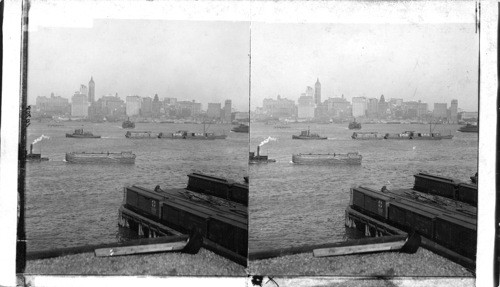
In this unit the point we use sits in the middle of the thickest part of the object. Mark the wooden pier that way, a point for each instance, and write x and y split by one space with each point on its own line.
447 226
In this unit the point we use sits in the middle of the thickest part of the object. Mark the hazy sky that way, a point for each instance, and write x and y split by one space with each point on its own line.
428 62
188 60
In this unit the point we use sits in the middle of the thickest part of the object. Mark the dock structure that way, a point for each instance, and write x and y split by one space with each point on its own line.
214 211
447 227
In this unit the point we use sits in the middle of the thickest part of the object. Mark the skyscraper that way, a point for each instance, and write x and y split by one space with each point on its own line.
317 92
453 111
227 111
91 90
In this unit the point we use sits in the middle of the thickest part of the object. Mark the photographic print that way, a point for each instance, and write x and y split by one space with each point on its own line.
364 139
136 162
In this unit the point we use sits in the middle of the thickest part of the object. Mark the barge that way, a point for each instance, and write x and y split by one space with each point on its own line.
446 187
128 124
351 158
469 128
242 128
354 125
80 133
447 227
214 207
101 158
140 135
257 158
366 136
186 135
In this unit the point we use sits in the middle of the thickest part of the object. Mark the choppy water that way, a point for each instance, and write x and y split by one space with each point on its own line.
297 205
77 204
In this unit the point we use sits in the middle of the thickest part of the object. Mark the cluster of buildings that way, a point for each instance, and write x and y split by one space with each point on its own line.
84 106
310 107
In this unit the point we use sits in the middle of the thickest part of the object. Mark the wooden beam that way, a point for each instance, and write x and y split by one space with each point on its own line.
139 249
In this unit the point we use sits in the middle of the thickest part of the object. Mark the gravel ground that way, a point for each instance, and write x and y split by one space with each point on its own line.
162 264
392 264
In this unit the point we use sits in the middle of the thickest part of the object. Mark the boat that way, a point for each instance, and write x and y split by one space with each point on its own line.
354 125
34 156
393 123
351 158
128 124
79 133
366 136
469 128
125 157
426 136
242 128
181 134
257 158
307 135
140 135
55 125
282 126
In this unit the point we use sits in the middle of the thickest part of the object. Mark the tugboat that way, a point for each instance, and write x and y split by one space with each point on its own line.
469 128
34 156
128 124
242 128
100 158
79 133
351 158
257 158
354 125
307 135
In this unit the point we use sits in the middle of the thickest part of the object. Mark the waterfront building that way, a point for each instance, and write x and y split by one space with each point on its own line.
358 106
382 107
227 111
133 105
91 90
305 107
453 112
112 106
440 111
242 116
372 108
317 92
53 105
156 108
146 107
214 110
338 107
411 110
79 105
281 107
470 116
188 108
396 102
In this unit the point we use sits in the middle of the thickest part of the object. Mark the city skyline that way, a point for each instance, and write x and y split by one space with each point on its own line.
189 60
366 60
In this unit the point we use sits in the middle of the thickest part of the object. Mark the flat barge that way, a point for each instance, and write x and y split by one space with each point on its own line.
351 158
448 227
124 157
214 207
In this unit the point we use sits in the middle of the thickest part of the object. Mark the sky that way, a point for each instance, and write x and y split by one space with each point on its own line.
428 62
188 60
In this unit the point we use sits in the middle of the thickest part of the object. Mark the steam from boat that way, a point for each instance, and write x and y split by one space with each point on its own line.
267 140
40 138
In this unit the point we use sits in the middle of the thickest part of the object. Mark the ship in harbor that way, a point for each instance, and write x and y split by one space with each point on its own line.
125 157
307 135
128 124
366 136
354 125
141 135
34 156
187 135
80 133
469 128
351 158
257 158
242 128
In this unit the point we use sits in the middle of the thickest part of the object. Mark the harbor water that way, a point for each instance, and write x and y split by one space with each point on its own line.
293 205
77 204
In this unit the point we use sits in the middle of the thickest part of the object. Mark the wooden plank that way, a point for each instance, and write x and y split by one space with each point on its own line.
138 249
345 250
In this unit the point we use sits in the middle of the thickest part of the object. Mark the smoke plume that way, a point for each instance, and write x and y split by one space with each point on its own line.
267 140
40 138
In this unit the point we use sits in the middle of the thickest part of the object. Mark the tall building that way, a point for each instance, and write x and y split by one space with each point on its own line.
91 90
440 111
79 105
281 107
83 90
147 107
227 111
358 106
133 105
305 108
156 109
214 110
382 107
453 112
372 108
317 93
52 105
338 107
309 92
